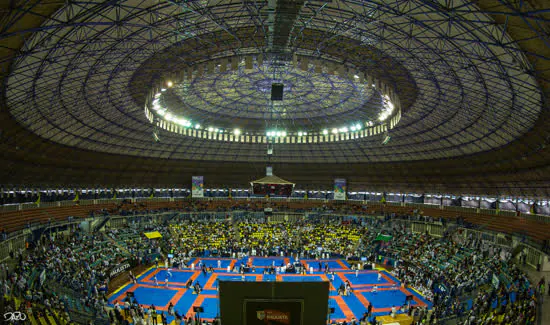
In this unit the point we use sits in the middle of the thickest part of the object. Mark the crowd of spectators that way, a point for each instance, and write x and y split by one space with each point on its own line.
192 238
445 270
66 270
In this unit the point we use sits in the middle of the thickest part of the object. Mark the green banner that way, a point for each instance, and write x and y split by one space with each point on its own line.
385 238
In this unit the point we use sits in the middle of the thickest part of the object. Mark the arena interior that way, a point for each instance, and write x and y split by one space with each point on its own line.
284 162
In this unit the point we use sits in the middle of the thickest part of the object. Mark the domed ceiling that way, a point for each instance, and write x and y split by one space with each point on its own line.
458 83
82 78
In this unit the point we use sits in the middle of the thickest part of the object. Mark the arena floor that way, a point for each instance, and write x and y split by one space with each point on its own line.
389 293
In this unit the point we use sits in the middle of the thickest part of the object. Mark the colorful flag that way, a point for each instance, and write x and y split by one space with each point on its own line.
340 189
197 186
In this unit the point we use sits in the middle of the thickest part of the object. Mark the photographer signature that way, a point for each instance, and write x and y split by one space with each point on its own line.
14 316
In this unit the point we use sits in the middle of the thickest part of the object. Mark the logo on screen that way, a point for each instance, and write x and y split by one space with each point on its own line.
260 314
276 316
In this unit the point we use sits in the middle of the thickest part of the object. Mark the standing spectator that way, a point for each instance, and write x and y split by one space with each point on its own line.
154 314
163 318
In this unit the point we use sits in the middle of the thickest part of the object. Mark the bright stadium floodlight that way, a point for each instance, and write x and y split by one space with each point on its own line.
305 133
358 126
237 132
353 128
169 84
299 134
325 131
197 126
384 115
278 133
283 133
335 130
210 129
163 89
169 116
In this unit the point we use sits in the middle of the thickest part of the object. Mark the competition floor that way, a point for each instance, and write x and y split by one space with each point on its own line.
389 293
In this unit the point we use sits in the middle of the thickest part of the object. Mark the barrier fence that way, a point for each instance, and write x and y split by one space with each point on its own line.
510 213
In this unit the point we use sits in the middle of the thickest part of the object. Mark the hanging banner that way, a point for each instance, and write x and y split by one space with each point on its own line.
119 268
153 235
197 186
339 189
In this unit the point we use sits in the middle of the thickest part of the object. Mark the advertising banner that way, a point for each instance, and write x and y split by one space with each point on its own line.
273 312
197 186
124 265
340 189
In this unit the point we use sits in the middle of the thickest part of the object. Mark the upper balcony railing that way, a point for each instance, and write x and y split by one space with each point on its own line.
411 205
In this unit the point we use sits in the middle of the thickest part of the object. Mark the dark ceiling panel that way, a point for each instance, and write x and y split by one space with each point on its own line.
474 82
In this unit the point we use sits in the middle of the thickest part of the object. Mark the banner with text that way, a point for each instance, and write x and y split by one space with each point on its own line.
340 189
197 186
122 266
273 313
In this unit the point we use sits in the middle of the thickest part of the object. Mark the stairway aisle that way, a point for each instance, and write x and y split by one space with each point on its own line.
43 321
57 319
534 277
51 320
33 320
